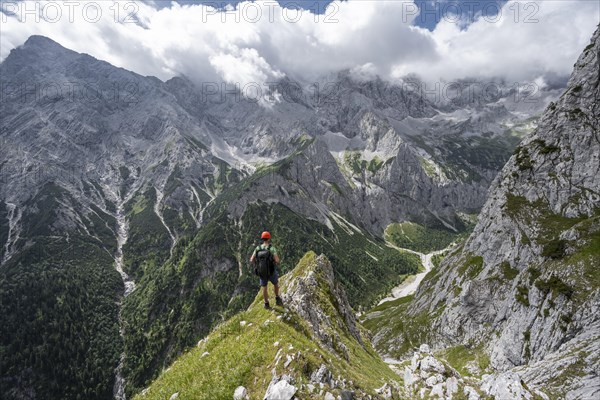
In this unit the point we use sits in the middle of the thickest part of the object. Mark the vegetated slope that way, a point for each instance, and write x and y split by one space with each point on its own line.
58 306
313 340
523 291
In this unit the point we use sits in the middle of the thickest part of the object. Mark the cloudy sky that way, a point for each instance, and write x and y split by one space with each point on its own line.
260 41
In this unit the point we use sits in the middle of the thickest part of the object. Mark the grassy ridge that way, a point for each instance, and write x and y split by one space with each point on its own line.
234 355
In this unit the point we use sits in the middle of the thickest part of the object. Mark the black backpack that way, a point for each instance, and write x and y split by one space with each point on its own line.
265 264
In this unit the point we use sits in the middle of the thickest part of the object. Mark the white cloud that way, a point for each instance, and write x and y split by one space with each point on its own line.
516 45
258 42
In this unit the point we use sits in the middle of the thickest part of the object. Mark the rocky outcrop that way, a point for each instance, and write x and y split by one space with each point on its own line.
318 298
426 376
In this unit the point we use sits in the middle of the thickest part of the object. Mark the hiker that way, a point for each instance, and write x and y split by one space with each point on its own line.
265 258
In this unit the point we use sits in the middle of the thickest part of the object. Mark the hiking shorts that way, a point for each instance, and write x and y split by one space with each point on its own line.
274 279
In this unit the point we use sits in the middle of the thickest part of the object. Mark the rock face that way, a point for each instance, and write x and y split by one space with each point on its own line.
307 297
524 286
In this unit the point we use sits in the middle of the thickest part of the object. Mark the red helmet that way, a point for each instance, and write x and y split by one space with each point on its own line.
265 235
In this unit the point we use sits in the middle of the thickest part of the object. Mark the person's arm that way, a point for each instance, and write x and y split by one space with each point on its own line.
275 255
253 256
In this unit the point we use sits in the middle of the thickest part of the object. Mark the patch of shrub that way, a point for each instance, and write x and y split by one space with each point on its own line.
556 286
522 295
554 249
508 271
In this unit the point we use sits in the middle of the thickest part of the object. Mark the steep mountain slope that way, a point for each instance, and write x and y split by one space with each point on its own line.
85 146
313 344
523 291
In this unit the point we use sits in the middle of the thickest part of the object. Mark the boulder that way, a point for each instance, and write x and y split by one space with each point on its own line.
471 393
408 377
240 393
451 386
322 375
281 390
430 364
437 390
346 395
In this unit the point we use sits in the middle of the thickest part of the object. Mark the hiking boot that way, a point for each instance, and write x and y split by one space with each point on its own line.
267 306
278 301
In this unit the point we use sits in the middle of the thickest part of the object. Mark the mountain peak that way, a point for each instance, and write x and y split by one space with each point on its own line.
38 50
39 39
46 44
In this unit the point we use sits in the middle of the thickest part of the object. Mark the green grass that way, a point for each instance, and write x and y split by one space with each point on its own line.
545 148
354 162
244 355
471 267
413 236
554 248
522 295
556 286
523 159
428 167
437 259
587 257
507 271
459 356
555 388
537 214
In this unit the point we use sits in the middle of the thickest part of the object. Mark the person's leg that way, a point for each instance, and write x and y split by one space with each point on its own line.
265 290
275 282
264 285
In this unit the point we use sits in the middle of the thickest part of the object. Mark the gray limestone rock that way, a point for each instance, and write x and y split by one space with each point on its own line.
281 390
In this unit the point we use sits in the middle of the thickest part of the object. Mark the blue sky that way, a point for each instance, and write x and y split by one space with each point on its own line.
431 11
